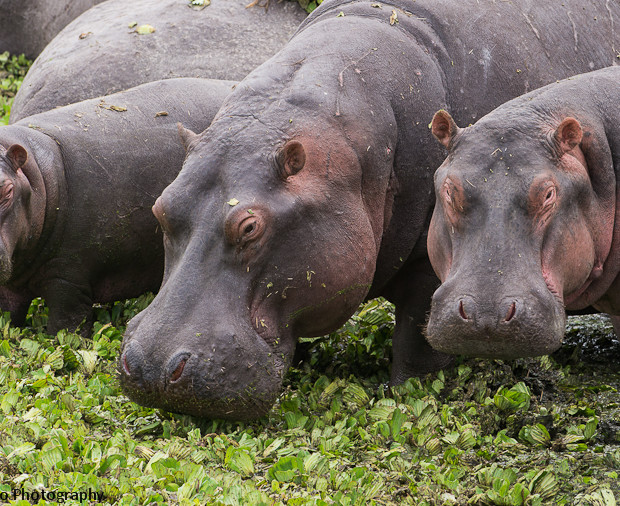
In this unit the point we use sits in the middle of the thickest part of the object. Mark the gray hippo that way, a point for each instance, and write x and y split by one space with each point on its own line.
313 188
26 26
527 222
101 52
76 189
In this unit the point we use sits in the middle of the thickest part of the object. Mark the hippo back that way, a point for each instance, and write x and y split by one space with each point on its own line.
101 51
27 26
119 152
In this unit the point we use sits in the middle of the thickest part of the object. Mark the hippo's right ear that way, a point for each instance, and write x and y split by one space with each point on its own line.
444 128
568 135
291 158
188 138
17 155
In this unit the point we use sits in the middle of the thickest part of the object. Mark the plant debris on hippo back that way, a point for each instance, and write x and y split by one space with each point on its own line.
526 219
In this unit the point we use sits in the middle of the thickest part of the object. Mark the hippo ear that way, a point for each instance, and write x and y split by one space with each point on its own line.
17 155
188 138
444 128
291 158
568 135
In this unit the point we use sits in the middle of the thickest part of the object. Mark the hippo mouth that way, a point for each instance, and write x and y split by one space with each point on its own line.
198 383
507 327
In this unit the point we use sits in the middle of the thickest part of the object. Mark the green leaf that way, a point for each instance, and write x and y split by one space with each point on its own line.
145 29
240 461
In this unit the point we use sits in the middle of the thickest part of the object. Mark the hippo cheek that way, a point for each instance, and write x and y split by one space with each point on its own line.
569 261
306 313
529 324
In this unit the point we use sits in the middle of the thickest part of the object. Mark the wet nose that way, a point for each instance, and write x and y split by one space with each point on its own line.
487 315
176 366
132 361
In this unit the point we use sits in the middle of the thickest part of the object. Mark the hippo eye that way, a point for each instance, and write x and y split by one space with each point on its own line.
6 192
550 196
447 192
248 229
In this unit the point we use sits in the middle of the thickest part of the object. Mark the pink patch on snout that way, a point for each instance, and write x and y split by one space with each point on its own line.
511 312
176 374
462 311
126 365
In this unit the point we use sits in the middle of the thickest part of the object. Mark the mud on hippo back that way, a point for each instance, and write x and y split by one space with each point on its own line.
98 53
76 189
527 221
312 189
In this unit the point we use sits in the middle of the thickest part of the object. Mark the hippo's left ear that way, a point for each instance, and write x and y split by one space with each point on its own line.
444 128
568 135
291 158
188 138
17 155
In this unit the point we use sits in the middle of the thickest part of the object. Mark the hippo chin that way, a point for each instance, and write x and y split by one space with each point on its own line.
525 219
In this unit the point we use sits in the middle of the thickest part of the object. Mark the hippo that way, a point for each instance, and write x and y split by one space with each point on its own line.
77 188
312 189
27 26
101 52
526 223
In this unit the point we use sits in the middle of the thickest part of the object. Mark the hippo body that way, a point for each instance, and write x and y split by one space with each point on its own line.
78 186
27 26
527 221
98 54
313 187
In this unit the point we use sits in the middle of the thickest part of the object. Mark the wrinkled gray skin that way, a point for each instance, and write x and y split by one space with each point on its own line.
527 220
327 150
75 219
98 54
26 26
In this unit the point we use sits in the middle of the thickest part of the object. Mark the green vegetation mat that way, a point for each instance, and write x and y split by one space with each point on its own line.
526 432
531 431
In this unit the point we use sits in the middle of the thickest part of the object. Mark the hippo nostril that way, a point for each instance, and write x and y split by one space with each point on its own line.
126 365
462 311
511 312
178 370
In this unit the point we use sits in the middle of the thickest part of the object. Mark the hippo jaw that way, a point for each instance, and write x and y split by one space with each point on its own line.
210 374
510 240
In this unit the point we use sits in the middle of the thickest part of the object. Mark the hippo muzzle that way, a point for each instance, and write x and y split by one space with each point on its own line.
504 326
221 371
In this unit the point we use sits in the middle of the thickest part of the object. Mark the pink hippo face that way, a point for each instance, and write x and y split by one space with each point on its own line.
518 234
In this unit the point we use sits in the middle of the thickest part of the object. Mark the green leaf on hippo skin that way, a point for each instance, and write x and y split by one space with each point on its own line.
232 202
145 29
133 24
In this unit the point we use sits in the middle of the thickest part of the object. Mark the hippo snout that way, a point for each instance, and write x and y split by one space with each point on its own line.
207 376
495 326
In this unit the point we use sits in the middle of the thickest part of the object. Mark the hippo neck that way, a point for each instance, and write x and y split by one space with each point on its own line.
46 177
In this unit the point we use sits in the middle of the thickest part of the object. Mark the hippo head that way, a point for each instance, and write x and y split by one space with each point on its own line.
514 236
267 238
17 220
